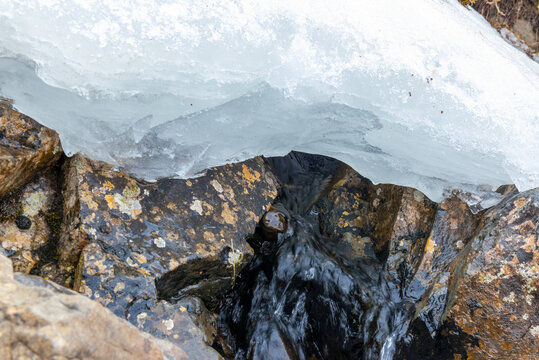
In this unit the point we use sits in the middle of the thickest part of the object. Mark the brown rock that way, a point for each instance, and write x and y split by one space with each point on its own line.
39 319
497 297
26 148
35 204
521 17
478 281
386 222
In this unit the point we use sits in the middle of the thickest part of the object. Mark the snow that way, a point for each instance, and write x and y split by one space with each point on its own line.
421 93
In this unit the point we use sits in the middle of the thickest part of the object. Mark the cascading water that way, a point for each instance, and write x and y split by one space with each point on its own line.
306 295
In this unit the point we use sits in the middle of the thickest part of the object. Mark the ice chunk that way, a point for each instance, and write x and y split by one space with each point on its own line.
420 93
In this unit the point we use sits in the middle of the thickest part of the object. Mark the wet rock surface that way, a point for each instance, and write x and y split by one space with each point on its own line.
40 319
379 271
130 244
26 148
492 309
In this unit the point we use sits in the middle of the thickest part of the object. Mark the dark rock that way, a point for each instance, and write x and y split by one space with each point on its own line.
322 291
129 243
369 271
274 221
507 190
23 222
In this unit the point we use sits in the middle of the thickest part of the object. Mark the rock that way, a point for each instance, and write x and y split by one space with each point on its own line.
497 293
187 324
509 189
26 148
324 290
384 222
392 272
28 231
39 319
129 243
484 304
520 17
274 221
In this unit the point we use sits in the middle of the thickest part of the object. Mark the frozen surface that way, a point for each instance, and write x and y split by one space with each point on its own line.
421 92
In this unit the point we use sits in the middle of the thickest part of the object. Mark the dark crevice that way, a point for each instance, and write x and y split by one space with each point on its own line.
48 252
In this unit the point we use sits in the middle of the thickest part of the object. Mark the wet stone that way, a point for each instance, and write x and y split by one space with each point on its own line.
274 221
380 271
130 244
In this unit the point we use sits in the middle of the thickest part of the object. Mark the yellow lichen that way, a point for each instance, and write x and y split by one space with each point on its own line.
250 177
429 246
110 201
108 185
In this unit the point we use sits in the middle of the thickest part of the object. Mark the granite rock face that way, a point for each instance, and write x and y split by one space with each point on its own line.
26 148
39 319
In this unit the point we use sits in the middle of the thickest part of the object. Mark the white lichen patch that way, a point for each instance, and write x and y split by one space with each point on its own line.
534 330
119 287
33 203
234 257
128 202
141 319
130 262
159 242
510 298
216 186
196 206
169 324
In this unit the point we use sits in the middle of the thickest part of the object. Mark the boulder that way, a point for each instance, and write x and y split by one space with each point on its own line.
496 292
484 281
39 319
26 148
129 243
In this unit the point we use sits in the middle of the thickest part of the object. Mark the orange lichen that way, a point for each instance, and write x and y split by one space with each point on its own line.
250 177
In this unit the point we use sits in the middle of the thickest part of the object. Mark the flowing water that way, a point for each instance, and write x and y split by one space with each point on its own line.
305 295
